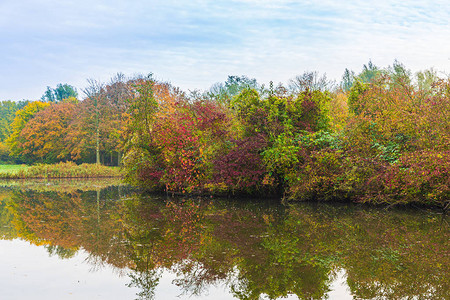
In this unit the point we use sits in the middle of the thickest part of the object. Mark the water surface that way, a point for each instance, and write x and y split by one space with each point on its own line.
93 240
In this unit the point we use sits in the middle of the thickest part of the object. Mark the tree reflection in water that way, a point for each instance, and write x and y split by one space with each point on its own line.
252 249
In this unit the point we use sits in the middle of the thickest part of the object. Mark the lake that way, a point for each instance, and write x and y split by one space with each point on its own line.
98 239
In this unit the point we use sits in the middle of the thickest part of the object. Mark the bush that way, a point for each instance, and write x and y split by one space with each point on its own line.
418 177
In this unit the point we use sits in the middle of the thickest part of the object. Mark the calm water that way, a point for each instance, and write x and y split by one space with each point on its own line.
90 240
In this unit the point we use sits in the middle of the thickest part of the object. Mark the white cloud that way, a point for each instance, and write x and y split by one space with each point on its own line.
196 43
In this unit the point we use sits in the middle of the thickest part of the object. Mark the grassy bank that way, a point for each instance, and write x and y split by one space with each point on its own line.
60 170
10 169
66 185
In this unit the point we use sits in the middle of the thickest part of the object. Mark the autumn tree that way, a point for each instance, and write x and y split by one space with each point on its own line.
42 138
97 132
20 120
143 159
310 81
95 99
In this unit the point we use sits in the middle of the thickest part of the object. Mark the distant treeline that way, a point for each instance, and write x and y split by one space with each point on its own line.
380 136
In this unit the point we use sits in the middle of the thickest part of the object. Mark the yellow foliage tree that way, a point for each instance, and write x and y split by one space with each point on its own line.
20 120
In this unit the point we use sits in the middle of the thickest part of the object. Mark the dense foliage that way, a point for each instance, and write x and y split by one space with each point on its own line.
382 136
62 128
386 140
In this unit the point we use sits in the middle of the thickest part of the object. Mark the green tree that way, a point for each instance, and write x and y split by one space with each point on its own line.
369 73
62 91
8 111
399 73
347 80
425 80
224 92
354 98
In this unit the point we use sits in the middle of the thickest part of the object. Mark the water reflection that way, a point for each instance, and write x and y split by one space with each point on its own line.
251 249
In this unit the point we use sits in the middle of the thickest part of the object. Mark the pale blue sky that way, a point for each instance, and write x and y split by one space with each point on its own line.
196 43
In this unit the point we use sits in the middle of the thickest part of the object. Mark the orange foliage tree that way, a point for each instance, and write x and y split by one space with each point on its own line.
42 138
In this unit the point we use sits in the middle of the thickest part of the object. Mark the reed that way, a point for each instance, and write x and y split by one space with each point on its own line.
62 170
64 185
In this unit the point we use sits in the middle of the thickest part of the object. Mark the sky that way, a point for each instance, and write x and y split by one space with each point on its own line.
194 44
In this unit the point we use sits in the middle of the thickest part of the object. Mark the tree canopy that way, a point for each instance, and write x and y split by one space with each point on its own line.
61 92
364 140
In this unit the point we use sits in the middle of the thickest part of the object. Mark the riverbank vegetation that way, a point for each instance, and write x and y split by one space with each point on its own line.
62 185
381 136
11 168
58 170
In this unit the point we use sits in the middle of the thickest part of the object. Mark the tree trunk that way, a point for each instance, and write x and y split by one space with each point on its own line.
97 148
97 138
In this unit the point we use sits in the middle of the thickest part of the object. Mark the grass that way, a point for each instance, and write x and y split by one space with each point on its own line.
66 185
11 168
59 170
